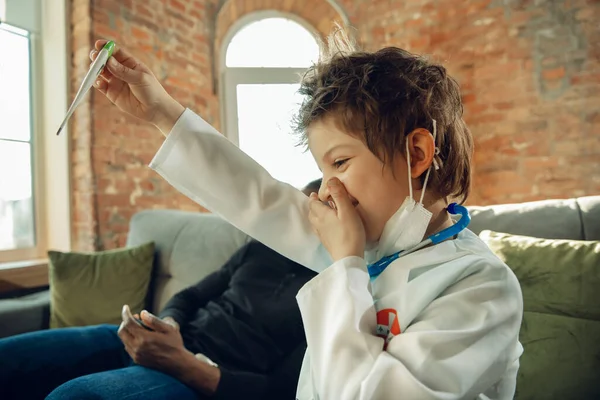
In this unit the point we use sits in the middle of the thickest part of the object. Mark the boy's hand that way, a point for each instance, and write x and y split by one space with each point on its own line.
132 87
341 230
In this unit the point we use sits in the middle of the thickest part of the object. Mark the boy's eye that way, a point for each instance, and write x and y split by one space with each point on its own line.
339 163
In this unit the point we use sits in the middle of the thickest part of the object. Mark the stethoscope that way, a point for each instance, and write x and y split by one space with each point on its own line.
455 209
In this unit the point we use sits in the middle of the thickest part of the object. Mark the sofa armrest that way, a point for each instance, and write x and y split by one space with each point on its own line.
24 314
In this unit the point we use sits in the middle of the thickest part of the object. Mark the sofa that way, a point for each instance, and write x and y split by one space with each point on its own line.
191 245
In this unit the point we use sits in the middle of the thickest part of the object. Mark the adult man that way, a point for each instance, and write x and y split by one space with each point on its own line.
243 318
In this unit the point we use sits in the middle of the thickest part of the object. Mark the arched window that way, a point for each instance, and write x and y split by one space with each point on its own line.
263 62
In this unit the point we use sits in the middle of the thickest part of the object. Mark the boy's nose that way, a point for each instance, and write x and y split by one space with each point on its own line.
324 194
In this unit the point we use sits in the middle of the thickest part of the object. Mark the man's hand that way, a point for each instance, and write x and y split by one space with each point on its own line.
172 322
161 349
341 230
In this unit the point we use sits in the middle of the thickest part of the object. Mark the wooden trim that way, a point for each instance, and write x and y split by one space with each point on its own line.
23 275
55 160
9 257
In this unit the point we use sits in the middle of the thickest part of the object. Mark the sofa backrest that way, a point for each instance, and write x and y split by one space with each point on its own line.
577 219
191 245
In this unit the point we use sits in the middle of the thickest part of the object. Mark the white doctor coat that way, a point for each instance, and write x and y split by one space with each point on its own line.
440 323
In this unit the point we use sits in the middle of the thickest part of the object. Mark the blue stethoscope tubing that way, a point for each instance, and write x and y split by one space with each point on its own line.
453 208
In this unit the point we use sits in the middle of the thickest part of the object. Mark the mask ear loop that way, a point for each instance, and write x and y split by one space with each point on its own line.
409 177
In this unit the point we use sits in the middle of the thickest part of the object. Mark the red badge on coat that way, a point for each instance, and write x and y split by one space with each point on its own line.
387 325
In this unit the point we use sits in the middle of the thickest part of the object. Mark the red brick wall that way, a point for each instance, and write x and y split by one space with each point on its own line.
111 151
530 76
84 213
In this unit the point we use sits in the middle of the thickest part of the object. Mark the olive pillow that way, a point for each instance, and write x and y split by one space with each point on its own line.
91 288
560 332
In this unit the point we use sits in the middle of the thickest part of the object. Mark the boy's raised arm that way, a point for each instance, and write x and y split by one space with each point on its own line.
209 169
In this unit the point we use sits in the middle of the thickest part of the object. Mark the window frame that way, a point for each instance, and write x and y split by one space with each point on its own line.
233 76
34 154
50 155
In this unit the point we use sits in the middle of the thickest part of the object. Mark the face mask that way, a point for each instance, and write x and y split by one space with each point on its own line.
407 227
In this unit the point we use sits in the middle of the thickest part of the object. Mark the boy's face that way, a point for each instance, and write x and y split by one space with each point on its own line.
373 190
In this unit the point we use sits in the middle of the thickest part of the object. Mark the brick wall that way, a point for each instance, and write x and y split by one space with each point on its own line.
530 73
111 151
84 215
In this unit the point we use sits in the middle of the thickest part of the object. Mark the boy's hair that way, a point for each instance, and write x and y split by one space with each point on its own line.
381 97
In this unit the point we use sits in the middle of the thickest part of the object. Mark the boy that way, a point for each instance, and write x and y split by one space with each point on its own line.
439 323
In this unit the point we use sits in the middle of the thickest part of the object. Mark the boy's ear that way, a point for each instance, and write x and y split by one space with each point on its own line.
422 151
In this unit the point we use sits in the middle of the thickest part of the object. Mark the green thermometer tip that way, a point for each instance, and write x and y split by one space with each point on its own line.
110 47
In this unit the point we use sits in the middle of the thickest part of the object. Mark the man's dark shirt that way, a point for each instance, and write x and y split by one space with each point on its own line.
245 318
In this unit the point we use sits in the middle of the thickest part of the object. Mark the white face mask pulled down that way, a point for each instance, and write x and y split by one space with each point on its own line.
407 227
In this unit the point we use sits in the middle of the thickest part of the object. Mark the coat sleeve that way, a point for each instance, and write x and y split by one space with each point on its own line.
459 346
209 169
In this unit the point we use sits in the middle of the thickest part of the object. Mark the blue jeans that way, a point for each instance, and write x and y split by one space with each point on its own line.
79 363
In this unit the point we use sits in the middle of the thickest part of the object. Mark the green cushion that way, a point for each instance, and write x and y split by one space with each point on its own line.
90 289
560 333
